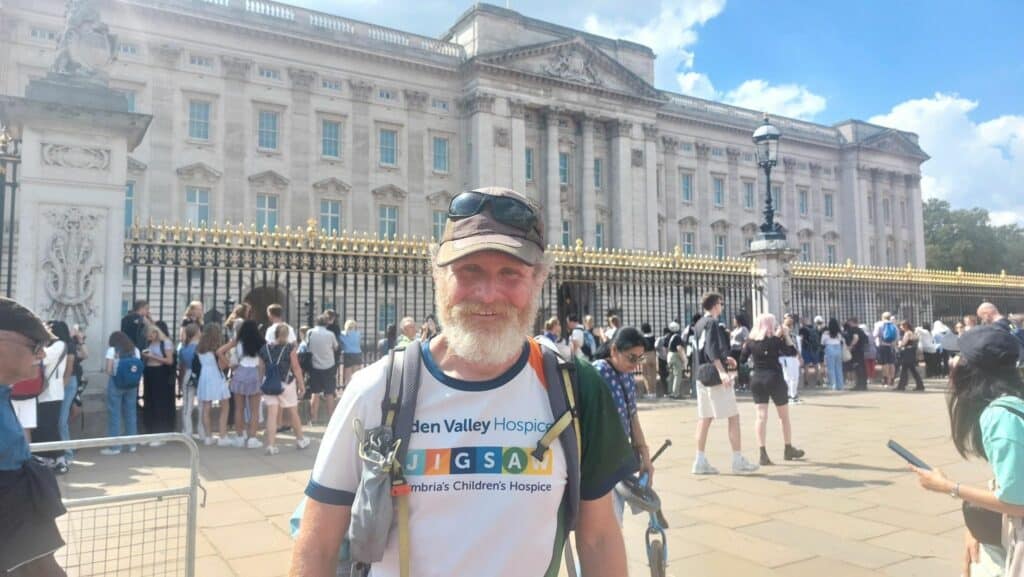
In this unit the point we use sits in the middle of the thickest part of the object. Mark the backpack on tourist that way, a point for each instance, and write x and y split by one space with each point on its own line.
383 490
273 381
128 372
889 332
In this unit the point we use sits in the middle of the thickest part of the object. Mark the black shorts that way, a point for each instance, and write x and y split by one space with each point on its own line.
765 385
352 359
322 381
886 355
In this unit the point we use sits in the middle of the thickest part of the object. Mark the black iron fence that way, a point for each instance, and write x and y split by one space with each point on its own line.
10 162
377 282
918 295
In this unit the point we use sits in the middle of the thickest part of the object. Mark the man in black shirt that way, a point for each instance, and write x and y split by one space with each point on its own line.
134 323
716 398
857 340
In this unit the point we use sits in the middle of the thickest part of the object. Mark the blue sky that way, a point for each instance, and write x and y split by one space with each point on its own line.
952 71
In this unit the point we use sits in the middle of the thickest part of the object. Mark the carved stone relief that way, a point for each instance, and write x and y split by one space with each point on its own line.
501 137
638 157
416 99
361 89
70 264
302 79
573 64
72 156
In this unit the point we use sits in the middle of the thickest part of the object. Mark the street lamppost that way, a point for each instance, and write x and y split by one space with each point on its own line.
766 144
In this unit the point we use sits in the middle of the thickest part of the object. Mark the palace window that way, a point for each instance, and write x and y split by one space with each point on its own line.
197 205
439 221
829 208
563 168
200 61
266 211
598 176
566 233
777 198
330 216
270 73
830 253
330 139
529 165
387 222
199 119
267 130
688 243
805 251
599 235
129 206
440 154
718 185
330 84
686 186
721 250
802 199
388 147
748 195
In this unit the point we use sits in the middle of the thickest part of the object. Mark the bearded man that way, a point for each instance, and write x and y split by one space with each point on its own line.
480 390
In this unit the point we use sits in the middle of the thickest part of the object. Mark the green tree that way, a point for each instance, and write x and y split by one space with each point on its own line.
965 238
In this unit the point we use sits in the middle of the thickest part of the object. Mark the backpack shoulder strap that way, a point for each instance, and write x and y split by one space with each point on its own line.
562 383
398 410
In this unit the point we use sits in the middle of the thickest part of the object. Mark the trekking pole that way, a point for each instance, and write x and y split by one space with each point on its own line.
661 449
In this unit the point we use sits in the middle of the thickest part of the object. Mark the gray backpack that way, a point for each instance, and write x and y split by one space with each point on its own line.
383 489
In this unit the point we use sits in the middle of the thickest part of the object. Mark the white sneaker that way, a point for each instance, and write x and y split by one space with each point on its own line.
703 467
238 442
740 465
272 450
110 451
302 443
225 442
209 441
253 443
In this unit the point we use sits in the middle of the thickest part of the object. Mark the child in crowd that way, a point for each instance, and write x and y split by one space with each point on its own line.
186 355
212 386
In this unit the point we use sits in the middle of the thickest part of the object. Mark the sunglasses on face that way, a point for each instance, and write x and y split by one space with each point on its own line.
635 359
506 210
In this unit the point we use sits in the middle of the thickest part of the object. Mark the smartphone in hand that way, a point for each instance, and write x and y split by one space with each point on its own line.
907 455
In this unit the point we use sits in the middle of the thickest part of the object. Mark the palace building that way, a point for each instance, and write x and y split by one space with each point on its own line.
270 114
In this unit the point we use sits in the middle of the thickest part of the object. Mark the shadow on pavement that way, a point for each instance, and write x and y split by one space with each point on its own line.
818 481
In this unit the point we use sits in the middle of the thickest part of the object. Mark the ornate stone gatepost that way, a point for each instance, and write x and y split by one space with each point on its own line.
75 137
771 262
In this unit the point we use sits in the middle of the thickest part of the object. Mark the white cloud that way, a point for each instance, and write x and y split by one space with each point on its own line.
784 99
697 84
670 34
973 163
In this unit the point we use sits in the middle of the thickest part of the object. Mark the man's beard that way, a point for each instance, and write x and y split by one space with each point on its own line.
497 343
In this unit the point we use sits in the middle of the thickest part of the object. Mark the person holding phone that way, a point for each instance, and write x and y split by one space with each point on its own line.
986 408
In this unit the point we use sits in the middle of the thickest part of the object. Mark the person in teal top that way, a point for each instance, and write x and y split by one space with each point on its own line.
986 408
352 352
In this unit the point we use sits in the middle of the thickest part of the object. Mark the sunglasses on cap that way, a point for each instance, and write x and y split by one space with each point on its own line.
506 210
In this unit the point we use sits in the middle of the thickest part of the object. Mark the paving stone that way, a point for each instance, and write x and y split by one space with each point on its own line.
898 517
225 513
922 567
822 566
838 524
825 544
213 567
247 539
756 550
723 516
266 565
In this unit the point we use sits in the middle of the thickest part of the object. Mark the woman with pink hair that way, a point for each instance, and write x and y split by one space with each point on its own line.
767 342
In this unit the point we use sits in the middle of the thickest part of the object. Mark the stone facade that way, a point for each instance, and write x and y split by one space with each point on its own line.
269 114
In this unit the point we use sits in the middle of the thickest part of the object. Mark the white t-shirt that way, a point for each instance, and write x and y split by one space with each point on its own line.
828 339
481 505
271 336
244 361
54 366
577 340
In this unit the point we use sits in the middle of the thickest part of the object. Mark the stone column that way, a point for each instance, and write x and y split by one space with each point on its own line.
70 210
517 112
789 209
162 192
817 208
363 156
734 201
587 208
552 184
420 163
237 144
702 193
621 185
480 107
915 208
669 149
649 221
303 135
773 293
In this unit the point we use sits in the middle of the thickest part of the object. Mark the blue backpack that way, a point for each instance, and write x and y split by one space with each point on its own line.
128 372
889 334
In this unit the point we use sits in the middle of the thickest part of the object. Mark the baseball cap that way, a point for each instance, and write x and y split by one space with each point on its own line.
819 320
492 218
16 318
673 326
990 346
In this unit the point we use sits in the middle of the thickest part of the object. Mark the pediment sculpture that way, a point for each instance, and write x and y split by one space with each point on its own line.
572 64
86 46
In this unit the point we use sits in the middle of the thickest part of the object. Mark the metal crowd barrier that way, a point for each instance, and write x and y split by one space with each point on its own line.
143 533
